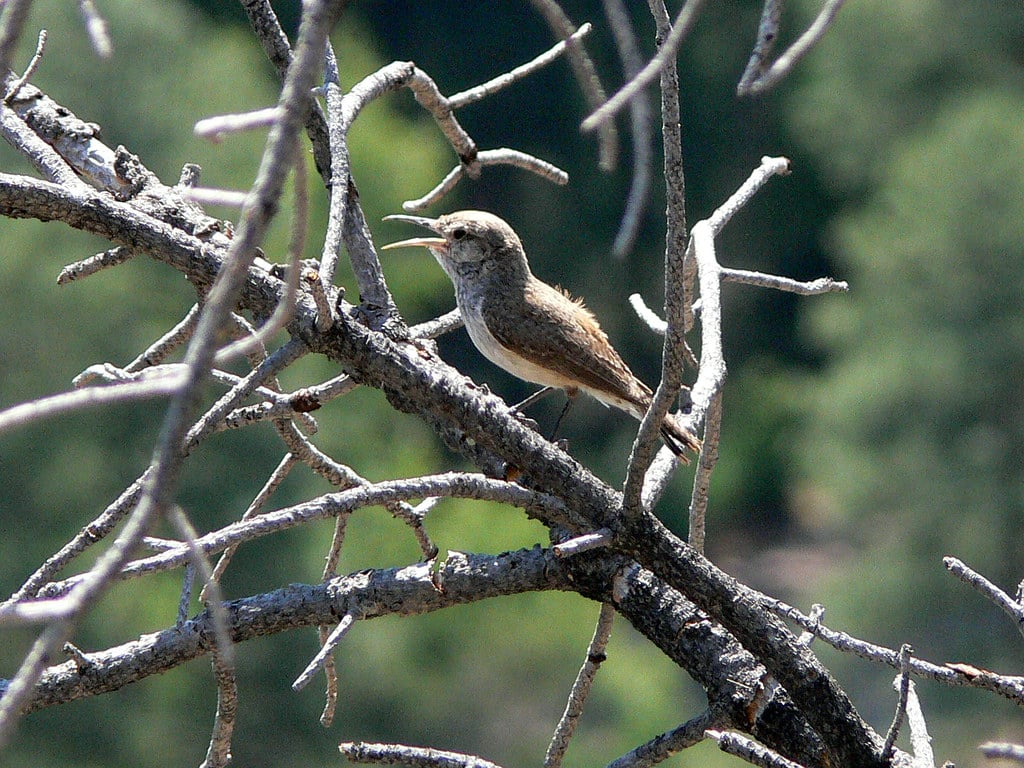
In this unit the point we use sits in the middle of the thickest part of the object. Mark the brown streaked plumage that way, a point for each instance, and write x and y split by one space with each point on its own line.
532 330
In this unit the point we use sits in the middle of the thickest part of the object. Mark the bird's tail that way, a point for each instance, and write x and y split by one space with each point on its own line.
679 439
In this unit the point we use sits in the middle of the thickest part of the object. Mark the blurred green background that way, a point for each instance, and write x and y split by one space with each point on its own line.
866 435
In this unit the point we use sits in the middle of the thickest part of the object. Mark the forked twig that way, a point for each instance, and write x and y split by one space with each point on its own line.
581 688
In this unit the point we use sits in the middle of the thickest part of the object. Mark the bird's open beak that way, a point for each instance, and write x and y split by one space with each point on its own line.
425 242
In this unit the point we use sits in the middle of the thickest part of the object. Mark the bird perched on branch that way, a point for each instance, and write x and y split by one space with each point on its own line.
520 323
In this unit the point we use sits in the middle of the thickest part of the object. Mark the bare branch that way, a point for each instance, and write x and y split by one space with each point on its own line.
375 593
33 64
581 688
674 348
920 741
998 750
96 29
666 53
702 477
482 91
439 326
161 385
452 484
649 317
93 264
503 156
749 750
770 166
411 757
902 685
214 128
1008 686
1009 606
218 754
584 543
586 76
641 128
813 287
754 79
228 198
326 650
27 142
13 16
671 742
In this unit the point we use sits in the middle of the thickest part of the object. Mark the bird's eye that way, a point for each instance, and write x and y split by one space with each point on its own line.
459 233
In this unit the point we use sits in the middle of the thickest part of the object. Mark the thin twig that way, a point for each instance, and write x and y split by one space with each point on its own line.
93 264
769 167
673 355
345 477
584 543
767 37
1008 686
702 477
96 29
13 15
785 63
342 110
226 198
255 508
328 647
809 288
749 750
188 581
285 309
902 685
33 64
649 317
666 53
452 484
439 326
214 128
581 688
482 91
318 289
1001 750
207 423
920 741
218 754
972 578
215 604
91 397
640 125
503 156
160 349
410 757
324 632
664 745
586 75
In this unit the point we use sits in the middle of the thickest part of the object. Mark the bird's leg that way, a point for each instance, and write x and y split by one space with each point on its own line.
570 398
537 396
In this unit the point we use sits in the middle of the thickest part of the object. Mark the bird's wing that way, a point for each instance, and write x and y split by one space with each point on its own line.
557 332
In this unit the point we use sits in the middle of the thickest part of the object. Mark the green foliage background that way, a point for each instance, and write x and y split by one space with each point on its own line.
866 435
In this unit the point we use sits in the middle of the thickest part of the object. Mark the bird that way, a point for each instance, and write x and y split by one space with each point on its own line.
535 331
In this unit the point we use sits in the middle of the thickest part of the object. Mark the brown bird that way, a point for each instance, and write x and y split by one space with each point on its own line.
532 330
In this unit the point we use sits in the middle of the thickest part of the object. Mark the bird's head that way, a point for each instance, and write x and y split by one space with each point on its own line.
465 237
